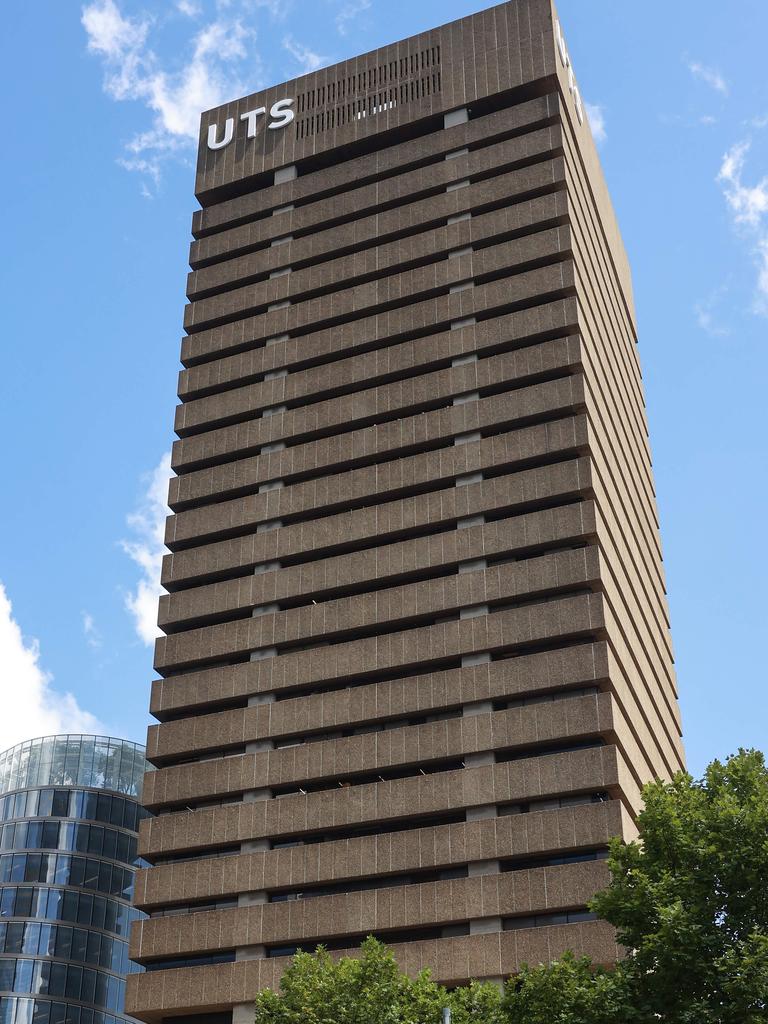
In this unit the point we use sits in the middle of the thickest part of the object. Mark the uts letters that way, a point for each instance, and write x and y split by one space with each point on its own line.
280 114
565 60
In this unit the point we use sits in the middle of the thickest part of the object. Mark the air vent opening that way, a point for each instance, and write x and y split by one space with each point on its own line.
369 92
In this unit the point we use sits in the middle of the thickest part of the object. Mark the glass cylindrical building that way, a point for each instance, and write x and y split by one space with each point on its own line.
69 817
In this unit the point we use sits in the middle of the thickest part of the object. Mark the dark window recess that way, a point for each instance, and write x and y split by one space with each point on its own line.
180 858
385 775
352 941
553 803
528 863
543 920
388 882
424 821
226 956
504 704
194 908
503 756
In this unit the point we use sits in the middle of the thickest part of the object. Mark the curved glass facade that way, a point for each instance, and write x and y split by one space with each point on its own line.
97 762
69 817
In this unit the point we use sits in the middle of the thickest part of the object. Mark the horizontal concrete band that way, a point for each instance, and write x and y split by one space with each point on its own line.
512 493
635 686
508 259
210 223
590 770
394 606
455 901
411 314
399 437
526 224
380 449
430 471
413 393
452 961
434 554
534 676
334 358
567 718
193 691
561 829
505 196
396 652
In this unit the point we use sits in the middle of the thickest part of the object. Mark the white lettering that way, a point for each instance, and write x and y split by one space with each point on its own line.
229 132
281 113
565 60
561 45
250 116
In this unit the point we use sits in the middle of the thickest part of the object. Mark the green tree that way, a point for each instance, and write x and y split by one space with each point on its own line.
369 989
569 991
690 899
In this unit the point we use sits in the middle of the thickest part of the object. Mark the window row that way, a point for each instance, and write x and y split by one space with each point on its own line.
387 828
64 869
68 905
44 1011
45 977
69 835
98 762
82 945
72 803
547 920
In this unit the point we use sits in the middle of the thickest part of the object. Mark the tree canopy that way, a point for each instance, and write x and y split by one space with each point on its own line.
689 901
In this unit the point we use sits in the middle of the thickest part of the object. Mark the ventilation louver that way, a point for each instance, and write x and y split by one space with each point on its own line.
368 92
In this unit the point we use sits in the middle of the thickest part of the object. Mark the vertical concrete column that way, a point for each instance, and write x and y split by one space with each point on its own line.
477 708
450 120
481 925
282 175
256 897
243 1013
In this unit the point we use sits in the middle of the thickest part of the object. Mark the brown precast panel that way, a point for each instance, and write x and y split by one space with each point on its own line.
417 662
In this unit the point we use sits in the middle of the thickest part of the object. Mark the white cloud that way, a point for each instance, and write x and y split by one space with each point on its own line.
308 60
188 7
216 64
711 76
92 634
348 13
109 33
146 548
706 321
596 118
748 205
31 706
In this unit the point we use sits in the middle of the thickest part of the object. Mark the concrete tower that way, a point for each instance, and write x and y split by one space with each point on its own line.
417 663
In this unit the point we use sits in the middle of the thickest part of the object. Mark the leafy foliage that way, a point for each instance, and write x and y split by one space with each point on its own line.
689 901
569 991
370 989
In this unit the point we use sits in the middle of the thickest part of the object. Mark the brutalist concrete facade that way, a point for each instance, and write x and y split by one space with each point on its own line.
417 663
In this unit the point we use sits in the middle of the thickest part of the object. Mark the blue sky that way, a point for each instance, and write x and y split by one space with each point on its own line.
102 106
